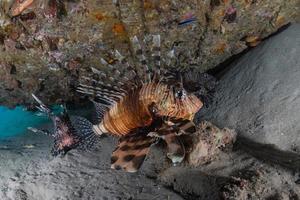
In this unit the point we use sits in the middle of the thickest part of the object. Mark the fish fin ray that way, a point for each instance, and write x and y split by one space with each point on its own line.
142 59
131 152
84 132
156 54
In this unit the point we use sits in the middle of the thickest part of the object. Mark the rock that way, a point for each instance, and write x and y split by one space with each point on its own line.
198 185
207 142
203 33
259 95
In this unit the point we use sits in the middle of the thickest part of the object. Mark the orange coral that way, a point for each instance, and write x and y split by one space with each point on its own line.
99 16
119 29
280 21
252 40
220 48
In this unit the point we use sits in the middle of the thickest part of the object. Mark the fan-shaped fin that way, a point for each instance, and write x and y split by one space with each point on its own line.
175 148
156 53
115 78
96 95
114 95
140 55
39 131
130 75
84 131
169 58
126 66
131 152
100 90
100 110
169 132
183 126
42 107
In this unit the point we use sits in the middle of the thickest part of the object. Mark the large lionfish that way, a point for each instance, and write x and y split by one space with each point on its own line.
140 101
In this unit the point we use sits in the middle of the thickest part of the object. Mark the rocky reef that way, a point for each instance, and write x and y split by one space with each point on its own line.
45 46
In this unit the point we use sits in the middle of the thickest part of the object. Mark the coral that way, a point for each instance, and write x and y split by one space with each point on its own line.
55 42
208 142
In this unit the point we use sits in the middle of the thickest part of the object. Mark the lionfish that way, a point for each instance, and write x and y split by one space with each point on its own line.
142 100
67 133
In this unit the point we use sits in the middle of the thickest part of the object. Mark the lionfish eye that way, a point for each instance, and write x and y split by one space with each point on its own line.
180 94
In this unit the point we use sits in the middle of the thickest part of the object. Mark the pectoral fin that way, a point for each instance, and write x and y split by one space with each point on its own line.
175 148
170 132
131 152
182 126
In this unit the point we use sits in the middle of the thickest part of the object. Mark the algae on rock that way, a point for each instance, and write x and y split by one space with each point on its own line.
51 44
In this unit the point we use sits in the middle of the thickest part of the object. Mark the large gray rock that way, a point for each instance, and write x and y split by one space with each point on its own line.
260 95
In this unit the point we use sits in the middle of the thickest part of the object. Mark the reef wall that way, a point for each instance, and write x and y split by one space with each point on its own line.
45 46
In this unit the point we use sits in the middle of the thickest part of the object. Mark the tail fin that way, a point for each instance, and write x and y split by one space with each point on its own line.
84 129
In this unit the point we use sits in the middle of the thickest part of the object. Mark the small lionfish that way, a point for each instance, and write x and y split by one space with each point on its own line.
140 101
67 134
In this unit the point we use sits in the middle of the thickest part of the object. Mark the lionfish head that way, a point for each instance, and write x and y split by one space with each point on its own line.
188 105
180 104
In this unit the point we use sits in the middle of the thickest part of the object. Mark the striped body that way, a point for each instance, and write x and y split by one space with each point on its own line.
140 102
143 101
132 111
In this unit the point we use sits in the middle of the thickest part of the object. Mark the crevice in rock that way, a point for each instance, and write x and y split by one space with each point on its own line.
222 68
